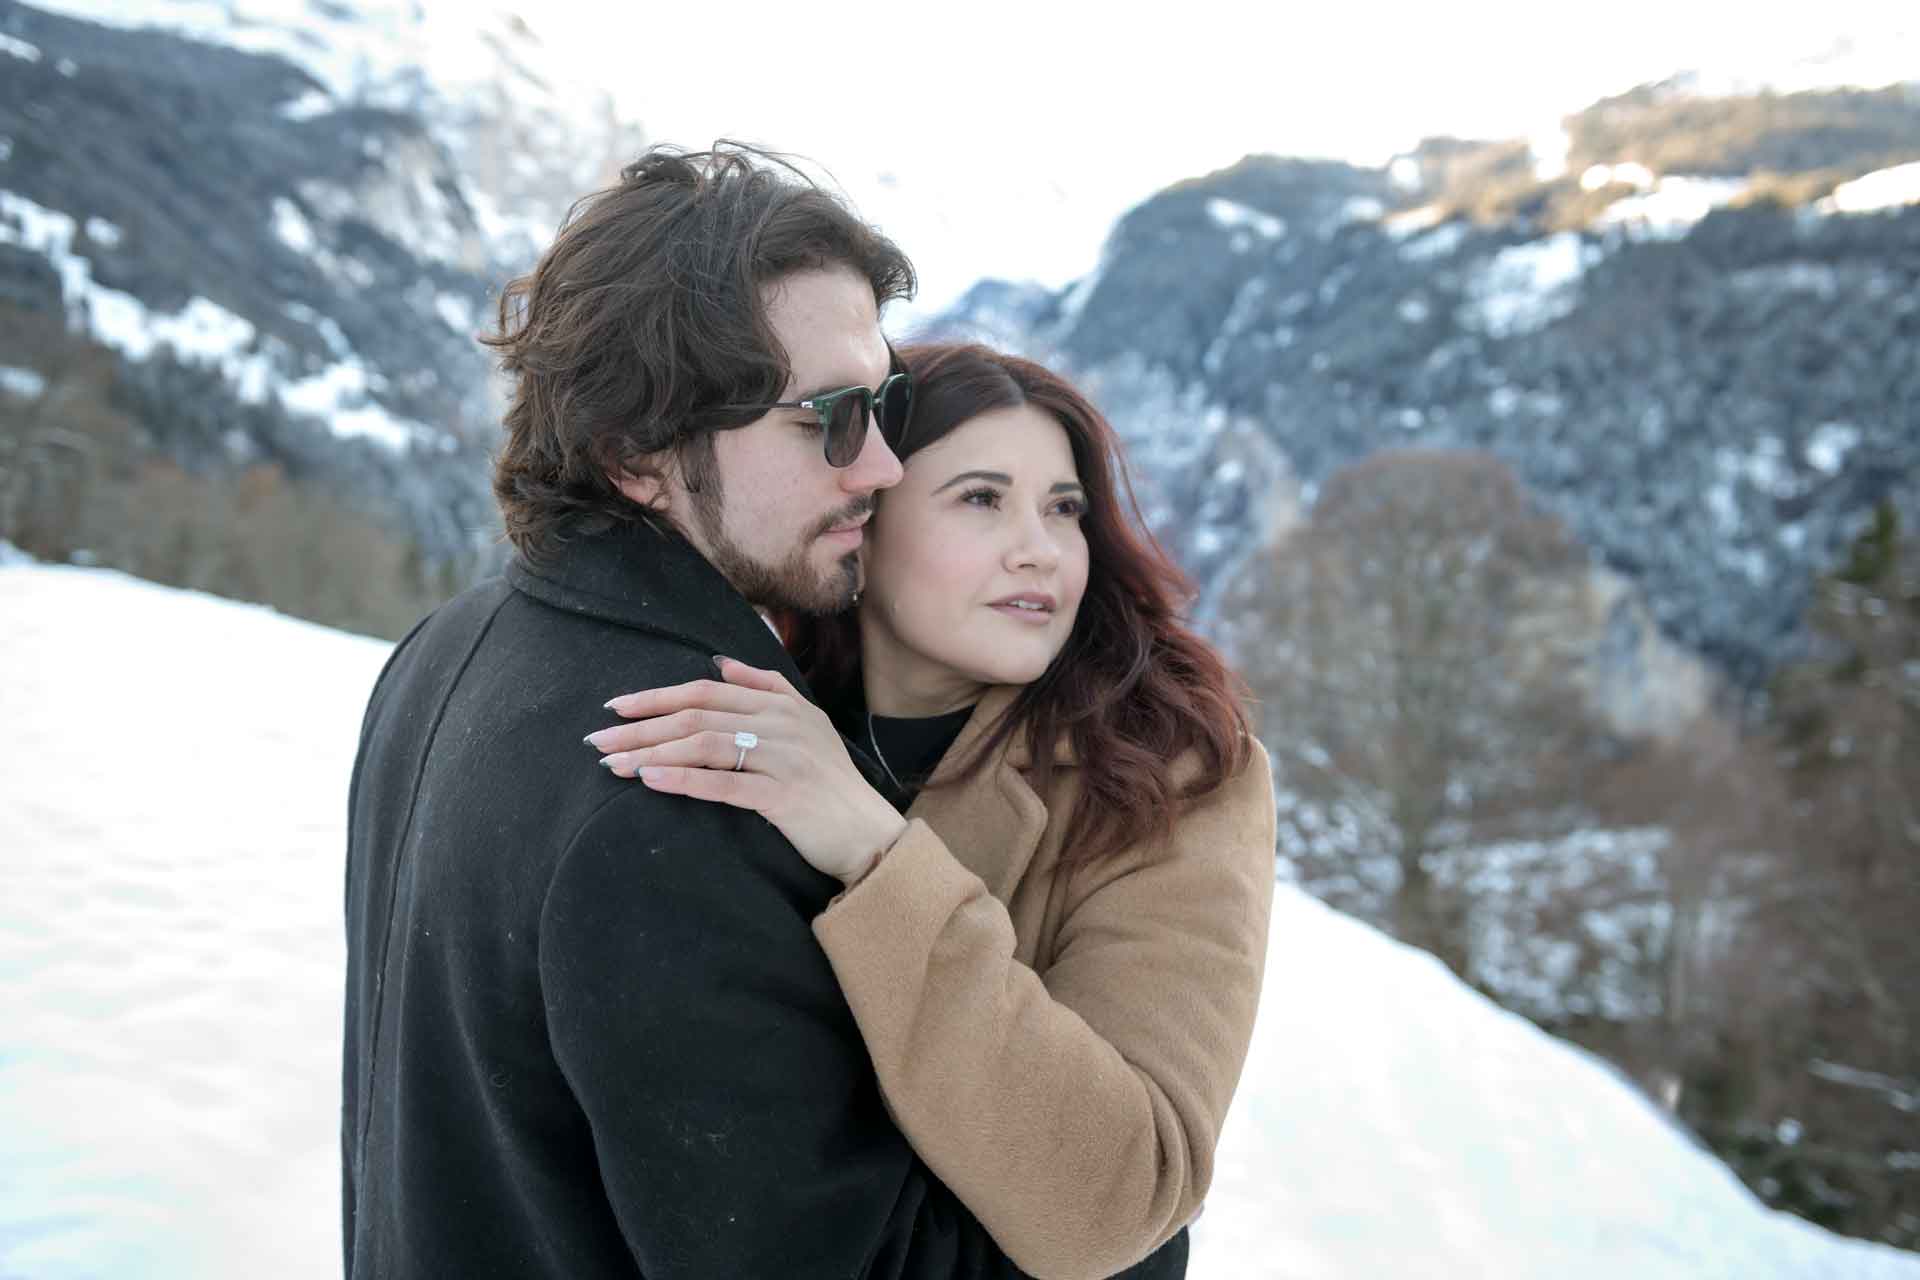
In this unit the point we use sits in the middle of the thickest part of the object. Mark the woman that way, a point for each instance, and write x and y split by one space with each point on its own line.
1055 956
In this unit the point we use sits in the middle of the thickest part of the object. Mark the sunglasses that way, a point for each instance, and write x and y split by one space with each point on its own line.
844 414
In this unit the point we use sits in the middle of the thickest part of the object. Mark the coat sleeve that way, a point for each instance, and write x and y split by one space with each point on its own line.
1075 1111
730 1101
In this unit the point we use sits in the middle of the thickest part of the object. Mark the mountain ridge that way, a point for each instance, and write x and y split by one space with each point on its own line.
1750 344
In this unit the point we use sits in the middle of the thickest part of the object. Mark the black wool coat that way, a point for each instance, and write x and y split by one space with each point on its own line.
588 1029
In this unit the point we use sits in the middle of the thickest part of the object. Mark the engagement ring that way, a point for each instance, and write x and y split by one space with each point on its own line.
746 742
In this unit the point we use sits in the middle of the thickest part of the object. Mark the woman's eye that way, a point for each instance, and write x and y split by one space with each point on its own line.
981 498
1071 508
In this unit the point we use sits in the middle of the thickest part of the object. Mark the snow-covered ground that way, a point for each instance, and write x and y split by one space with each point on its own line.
172 787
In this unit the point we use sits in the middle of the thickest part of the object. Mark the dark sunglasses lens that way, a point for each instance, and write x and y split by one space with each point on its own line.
895 409
846 429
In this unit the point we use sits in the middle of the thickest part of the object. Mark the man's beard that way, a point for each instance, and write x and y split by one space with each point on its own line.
792 583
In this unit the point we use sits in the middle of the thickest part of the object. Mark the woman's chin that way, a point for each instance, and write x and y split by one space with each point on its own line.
1015 670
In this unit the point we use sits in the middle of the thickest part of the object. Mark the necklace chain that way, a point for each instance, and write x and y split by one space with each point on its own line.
873 737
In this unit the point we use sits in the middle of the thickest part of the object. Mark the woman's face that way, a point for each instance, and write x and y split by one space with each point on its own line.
975 565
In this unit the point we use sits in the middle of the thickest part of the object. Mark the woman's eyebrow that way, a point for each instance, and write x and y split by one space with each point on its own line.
1001 477
997 477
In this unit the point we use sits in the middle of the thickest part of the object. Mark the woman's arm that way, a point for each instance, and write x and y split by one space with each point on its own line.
1076 1116
1075 1112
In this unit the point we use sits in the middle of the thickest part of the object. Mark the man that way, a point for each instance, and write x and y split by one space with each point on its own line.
588 1030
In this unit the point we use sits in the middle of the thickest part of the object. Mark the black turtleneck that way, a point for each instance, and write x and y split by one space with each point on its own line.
905 747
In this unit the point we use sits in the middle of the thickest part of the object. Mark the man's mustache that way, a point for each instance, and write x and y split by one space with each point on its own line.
863 507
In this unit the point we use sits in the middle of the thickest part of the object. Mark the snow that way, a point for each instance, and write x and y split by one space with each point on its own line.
1526 287
1669 207
305 107
171 977
339 393
1827 450
1549 149
457 312
366 51
374 423
1442 240
1629 173
291 227
1075 299
1240 315
1410 221
1233 215
170 938
18 48
103 233
25 384
1800 277
1881 189
1403 1126
1359 209
1505 401
203 332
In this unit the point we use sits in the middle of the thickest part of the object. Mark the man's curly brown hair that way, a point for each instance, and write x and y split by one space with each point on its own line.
646 314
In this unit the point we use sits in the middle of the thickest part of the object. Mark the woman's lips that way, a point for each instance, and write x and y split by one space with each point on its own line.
1032 617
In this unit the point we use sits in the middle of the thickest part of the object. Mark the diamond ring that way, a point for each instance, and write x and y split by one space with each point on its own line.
746 742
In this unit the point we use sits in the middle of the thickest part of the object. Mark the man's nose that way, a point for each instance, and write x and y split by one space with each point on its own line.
874 468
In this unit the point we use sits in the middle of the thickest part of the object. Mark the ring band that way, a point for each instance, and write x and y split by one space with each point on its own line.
746 742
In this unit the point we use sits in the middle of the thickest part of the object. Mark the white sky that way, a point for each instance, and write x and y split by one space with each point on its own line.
1005 138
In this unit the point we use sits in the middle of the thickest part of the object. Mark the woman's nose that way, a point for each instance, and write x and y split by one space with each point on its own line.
1034 548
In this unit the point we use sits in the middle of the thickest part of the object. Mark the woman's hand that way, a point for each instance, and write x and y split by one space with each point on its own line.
680 739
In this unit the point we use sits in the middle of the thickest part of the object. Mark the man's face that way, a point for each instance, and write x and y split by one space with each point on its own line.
779 523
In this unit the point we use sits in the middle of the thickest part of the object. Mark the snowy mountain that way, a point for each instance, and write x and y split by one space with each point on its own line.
1689 322
288 221
1686 319
525 135
171 975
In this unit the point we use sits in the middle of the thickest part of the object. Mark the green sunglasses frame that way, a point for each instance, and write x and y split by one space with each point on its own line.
823 407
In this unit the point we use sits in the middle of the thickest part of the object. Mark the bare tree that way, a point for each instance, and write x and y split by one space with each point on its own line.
1846 1068
1714 793
1413 683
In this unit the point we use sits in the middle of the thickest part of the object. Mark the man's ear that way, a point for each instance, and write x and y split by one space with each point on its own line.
651 486
646 490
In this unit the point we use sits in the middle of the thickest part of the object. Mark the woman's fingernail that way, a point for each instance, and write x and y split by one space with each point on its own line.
606 762
649 774
593 739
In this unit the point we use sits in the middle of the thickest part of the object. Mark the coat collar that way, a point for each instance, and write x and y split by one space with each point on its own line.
993 822
653 580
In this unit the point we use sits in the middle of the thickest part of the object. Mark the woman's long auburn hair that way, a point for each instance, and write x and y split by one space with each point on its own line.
1133 689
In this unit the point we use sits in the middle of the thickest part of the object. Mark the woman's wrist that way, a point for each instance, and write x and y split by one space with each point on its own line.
889 835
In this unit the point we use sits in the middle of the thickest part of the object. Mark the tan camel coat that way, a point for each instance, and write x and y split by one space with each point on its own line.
1060 1048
